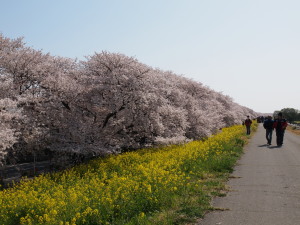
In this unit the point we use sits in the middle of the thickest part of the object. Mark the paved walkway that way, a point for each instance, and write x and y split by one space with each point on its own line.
266 187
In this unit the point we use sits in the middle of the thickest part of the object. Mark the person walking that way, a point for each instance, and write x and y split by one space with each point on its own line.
268 125
280 124
248 123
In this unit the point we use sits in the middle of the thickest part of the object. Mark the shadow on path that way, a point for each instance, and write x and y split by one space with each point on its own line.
275 146
265 145
269 146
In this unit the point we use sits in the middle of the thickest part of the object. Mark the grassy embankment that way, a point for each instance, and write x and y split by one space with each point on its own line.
167 185
293 130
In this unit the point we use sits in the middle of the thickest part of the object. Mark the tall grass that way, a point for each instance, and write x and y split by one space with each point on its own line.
167 185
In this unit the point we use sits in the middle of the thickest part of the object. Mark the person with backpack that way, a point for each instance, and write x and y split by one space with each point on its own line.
268 125
248 123
280 125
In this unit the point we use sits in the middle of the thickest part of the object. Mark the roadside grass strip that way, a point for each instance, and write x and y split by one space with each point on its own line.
165 185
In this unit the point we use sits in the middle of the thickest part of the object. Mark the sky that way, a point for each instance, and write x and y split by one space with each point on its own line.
248 50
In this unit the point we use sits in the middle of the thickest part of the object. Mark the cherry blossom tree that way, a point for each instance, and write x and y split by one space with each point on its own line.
107 103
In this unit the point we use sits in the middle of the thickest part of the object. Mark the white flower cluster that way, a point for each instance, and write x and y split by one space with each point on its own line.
109 102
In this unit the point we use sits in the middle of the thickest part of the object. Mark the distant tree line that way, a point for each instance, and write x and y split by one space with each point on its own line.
289 114
108 103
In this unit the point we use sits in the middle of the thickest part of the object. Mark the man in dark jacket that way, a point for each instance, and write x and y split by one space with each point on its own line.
268 125
248 123
280 124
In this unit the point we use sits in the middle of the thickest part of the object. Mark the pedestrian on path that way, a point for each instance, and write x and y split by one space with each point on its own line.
248 123
280 124
268 125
